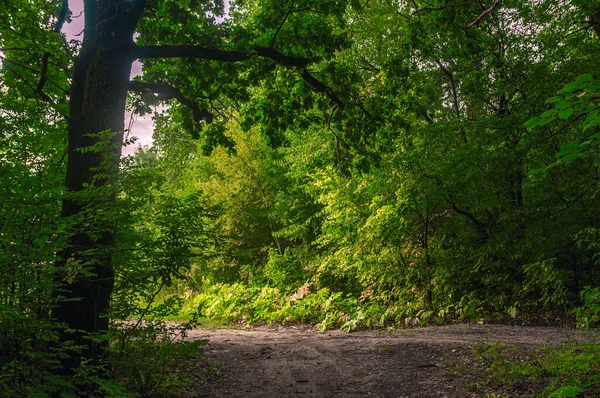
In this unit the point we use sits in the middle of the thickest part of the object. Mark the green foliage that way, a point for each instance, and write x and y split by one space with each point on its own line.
588 314
150 359
416 202
579 98
237 303
568 371
413 185
31 230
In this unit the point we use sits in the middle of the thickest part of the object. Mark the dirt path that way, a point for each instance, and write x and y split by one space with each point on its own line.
288 362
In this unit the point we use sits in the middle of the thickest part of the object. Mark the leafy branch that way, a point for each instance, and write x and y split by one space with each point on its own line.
166 91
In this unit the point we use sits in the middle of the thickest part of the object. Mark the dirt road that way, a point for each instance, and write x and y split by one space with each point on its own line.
291 362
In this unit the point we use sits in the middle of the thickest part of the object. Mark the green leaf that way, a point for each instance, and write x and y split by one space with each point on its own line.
584 78
553 99
562 104
533 122
567 391
570 87
566 113
568 152
548 113
591 117
536 171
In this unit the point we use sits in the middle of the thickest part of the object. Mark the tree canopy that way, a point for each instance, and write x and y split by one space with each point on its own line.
348 163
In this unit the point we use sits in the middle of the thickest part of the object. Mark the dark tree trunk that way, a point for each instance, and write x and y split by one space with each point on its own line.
594 21
97 105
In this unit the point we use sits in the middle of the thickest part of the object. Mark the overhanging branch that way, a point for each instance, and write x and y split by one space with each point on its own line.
322 88
166 91
299 63
190 52
214 54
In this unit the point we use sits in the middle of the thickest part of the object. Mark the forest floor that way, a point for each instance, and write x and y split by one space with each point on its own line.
420 362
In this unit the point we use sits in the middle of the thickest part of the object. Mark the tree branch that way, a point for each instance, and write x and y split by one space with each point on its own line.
238 56
322 88
283 21
166 91
285 18
282 59
455 102
42 95
214 54
450 77
479 226
62 17
484 13
185 51
44 75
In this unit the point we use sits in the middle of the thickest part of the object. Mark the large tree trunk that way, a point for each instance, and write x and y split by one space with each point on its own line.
97 105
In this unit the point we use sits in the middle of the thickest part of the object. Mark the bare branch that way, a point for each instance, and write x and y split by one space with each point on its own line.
484 13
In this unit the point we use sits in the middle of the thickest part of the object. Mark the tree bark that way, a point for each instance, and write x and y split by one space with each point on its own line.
96 110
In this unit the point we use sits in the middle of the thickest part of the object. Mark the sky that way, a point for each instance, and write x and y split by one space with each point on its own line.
141 126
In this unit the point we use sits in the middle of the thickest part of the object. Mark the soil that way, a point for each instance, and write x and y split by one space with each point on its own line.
296 361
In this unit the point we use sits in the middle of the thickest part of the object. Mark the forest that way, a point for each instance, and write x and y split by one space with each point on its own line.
349 164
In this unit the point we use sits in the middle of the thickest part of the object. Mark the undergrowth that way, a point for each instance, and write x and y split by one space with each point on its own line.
572 370
238 303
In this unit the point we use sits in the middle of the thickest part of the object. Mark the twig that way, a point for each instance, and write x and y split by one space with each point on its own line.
484 13
44 75
62 17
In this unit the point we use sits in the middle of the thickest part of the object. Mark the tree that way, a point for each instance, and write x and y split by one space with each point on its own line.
99 88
